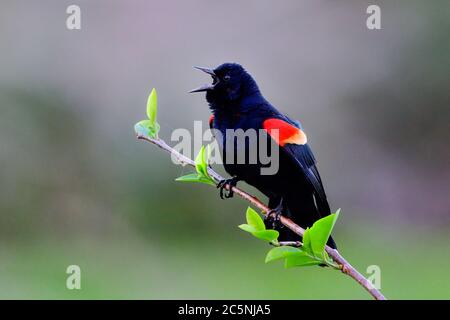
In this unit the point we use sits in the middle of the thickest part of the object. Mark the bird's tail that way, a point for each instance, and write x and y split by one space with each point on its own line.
304 211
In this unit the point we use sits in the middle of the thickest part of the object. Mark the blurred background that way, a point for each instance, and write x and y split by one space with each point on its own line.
76 187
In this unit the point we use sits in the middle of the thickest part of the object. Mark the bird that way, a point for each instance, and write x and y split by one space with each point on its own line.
296 189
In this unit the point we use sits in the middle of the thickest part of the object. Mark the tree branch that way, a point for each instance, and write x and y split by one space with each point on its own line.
290 243
344 266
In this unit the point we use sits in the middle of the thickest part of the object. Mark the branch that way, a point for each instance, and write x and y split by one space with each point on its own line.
344 266
290 243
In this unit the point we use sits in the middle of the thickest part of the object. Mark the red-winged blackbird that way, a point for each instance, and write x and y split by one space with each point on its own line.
296 189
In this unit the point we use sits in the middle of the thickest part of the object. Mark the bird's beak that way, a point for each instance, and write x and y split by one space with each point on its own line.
206 70
206 87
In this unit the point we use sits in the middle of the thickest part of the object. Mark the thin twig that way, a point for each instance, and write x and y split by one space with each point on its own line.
290 243
344 266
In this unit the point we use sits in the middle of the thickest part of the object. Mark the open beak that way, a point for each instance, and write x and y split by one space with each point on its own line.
206 87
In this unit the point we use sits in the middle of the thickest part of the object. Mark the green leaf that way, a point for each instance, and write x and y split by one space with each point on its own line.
194 177
152 106
306 247
149 127
201 163
281 253
267 235
145 128
247 228
254 219
300 260
141 128
320 232
202 175
295 257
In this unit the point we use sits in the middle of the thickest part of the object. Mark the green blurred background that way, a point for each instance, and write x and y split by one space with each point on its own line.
76 187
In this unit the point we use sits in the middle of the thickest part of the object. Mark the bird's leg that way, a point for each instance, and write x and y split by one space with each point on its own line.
274 215
232 182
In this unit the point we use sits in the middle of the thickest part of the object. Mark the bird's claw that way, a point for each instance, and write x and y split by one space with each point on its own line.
222 185
274 216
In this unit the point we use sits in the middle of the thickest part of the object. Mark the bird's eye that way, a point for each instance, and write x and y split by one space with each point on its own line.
227 78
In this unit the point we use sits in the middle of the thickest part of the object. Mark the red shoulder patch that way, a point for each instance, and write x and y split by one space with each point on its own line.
211 119
283 132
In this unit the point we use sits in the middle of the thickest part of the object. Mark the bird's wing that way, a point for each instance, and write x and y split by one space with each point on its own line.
293 141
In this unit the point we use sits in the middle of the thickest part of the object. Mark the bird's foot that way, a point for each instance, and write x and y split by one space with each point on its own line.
222 186
274 216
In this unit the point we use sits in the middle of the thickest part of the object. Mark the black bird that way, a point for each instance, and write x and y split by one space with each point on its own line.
295 190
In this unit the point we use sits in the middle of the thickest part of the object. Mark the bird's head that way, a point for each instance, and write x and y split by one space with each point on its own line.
231 83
